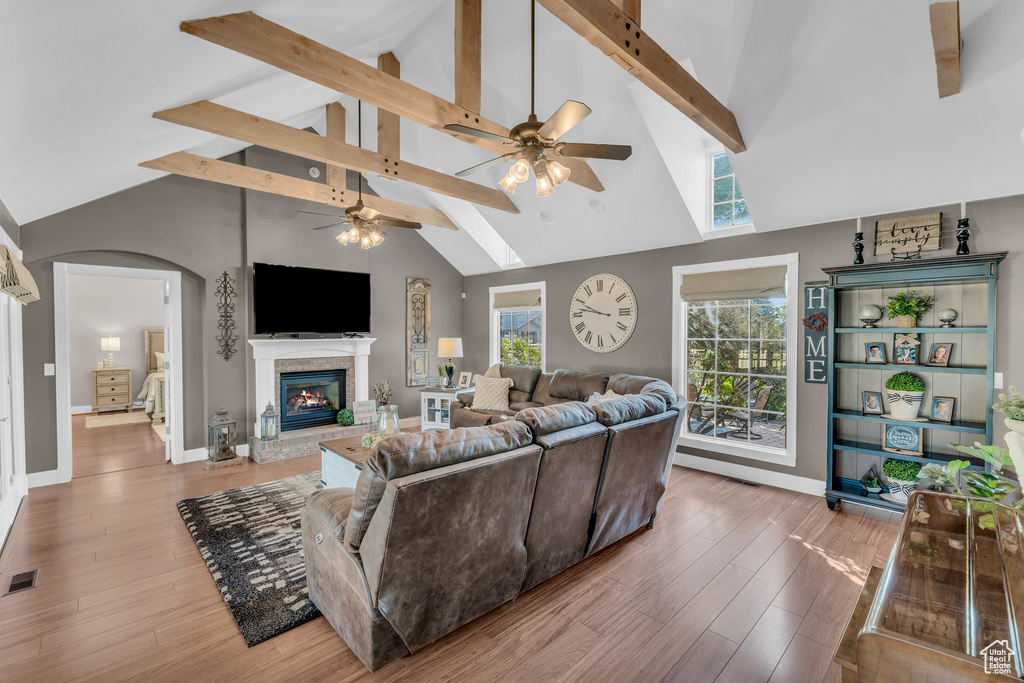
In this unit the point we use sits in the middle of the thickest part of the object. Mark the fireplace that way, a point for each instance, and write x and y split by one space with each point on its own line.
311 399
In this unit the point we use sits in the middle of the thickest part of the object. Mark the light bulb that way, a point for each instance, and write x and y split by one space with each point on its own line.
520 171
559 173
509 183
353 234
343 237
544 185
365 241
377 236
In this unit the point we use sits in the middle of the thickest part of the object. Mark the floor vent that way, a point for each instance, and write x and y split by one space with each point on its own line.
743 483
21 582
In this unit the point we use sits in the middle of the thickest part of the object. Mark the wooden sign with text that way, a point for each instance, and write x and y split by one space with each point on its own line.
899 237
815 341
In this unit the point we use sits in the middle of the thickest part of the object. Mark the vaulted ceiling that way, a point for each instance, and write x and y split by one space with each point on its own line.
837 103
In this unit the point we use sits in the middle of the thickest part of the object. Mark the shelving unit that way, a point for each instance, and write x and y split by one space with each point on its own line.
966 284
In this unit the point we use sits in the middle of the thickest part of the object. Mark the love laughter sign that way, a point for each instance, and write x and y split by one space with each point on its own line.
907 237
815 341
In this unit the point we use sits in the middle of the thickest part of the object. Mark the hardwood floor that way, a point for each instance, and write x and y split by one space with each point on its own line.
112 449
733 583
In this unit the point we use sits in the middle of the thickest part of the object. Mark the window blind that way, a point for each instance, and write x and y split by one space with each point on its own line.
523 298
751 283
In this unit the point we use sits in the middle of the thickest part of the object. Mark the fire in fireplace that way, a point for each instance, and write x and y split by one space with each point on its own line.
309 399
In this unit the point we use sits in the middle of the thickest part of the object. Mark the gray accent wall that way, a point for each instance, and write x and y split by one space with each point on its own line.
202 229
649 273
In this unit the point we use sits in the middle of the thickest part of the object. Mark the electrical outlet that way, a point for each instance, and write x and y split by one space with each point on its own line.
998 380
49 369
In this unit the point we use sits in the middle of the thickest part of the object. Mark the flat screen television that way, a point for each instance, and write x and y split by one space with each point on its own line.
294 300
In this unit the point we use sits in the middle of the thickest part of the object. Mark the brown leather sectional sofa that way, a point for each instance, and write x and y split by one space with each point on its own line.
446 525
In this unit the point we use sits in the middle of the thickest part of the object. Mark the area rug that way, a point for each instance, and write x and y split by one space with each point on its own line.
116 419
251 541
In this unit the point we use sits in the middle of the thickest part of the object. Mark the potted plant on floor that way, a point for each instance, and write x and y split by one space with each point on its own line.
902 477
907 308
1013 408
905 391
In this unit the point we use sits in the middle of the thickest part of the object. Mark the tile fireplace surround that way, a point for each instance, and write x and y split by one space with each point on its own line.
274 356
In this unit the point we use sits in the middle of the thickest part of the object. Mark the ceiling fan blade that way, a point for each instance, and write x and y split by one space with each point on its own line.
398 223
487 164
331 225
466 130
367 214
567 116
317 213
590 151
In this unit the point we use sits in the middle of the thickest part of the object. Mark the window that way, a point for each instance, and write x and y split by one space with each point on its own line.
729 208
517 324
734 344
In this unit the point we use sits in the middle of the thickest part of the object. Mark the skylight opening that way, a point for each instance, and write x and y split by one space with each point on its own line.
728 206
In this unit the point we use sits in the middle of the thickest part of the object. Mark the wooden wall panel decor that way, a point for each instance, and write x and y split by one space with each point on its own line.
907 237
417 330
227 338
816 315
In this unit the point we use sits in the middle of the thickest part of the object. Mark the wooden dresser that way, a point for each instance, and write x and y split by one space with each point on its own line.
949 603
112 388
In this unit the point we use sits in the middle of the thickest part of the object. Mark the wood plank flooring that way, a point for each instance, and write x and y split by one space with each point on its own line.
732 584
112 449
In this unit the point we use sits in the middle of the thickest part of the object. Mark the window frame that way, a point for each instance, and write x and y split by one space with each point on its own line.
708 230
494 335
679 365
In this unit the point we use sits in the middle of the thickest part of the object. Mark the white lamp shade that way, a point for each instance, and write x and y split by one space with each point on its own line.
449 347
110 343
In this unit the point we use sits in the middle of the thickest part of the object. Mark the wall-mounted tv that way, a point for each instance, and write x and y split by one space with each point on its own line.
294 300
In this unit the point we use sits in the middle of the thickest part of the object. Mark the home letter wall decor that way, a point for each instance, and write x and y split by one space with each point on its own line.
417 330
815 332
226 308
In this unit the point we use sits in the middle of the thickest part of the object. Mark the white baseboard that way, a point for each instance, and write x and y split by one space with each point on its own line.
409 422
791 482
195 454
47 478
242 450
81 410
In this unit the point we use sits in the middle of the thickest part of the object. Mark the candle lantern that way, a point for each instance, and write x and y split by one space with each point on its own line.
270 423
221 436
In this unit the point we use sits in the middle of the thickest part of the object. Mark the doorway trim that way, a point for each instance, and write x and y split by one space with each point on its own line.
61 320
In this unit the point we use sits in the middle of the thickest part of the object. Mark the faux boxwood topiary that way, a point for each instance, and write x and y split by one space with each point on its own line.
345 417
904 381
901 470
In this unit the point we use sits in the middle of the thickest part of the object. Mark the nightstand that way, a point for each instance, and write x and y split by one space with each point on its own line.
435 407
112 388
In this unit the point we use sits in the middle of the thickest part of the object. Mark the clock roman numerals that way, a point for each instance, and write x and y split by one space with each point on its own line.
577 314
621 326
600 342
580 327
590 335
620 297
587 289
600 285
626 311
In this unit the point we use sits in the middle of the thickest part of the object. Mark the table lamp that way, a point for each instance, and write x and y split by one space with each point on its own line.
110 344
452 348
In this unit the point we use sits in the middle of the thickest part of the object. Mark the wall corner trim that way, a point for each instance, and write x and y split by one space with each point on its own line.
791 482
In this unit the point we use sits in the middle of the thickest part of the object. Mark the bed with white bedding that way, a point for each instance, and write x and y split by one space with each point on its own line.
153 388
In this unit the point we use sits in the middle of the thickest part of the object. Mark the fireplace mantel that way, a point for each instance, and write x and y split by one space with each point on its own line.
266 351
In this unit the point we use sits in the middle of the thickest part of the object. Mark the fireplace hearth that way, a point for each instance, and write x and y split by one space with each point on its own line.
311 399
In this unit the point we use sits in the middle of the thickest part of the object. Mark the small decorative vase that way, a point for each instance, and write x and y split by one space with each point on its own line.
904 405
869 315
906 321
387 423
1014 425
899 490
946 316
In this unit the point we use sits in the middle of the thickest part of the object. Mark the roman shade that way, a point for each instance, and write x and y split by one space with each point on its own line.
750 283
523 298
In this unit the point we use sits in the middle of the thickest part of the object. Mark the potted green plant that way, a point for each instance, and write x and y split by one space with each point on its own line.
907 308
902 477
870 482
1013 408
905 391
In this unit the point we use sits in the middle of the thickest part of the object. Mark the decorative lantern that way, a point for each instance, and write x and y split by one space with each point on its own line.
270 423
221 436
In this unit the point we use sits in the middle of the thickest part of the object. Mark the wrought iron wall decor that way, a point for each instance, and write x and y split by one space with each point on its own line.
226 308
417 330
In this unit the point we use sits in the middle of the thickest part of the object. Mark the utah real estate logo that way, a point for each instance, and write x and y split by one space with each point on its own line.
998 658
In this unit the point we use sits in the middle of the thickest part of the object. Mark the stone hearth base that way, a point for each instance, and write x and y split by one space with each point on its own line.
299 442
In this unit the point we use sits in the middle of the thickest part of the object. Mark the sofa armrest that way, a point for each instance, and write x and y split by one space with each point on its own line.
465 398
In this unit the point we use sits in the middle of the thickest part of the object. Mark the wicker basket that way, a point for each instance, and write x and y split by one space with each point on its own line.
906 321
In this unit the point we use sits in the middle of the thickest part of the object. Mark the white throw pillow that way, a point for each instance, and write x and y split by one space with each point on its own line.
494 371
596 397
159 361
612 394
491 393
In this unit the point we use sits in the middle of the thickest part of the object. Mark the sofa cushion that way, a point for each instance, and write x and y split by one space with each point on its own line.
576 385
628 408
555 418
332 506
407 454
540 392
523 405
636 384
491 394
524 376
516 396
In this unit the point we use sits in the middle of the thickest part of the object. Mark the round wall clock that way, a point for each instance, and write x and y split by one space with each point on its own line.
602 313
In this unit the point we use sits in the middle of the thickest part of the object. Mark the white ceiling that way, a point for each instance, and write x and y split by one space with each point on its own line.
837 103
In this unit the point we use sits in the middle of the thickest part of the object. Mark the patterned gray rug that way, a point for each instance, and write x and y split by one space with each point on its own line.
251 541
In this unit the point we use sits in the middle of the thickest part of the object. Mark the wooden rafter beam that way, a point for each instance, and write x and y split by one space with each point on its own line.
467 54
610 30
631 8
238 125
335 131
214 170
945 21
388 122
256 37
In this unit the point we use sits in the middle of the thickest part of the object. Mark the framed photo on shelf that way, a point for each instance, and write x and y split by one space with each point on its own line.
902 440
464 378
874 352
434 382
906 353
871 403
942 408
939 354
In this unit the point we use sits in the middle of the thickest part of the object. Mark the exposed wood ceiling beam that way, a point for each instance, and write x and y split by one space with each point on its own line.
221 120
388 122
204 168
256 37
610 30
631 8
945 20
335 131
467 54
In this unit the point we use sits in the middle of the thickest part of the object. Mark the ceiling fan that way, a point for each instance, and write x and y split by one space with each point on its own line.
366 222
533 138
